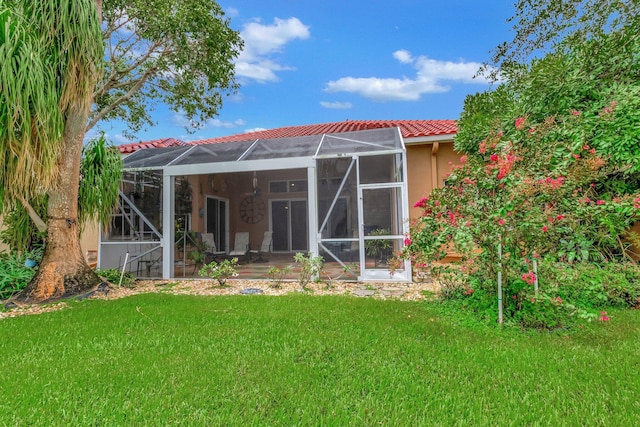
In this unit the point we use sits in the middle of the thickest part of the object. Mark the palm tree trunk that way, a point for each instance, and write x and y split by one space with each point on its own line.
64 270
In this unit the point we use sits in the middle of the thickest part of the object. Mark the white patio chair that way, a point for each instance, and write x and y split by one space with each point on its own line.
265 247
241 245
210 249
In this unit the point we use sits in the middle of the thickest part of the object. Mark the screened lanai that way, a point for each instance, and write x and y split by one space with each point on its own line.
342 196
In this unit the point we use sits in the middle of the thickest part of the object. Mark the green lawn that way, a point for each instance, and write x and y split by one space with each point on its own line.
158 359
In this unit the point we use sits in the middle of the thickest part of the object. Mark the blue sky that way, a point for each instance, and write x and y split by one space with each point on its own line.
322 61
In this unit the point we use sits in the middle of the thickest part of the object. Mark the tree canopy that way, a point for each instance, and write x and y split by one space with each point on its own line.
50 55
540 25
177 53
67 65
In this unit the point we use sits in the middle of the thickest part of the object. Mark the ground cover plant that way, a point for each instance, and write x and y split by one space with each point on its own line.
157 359
16 270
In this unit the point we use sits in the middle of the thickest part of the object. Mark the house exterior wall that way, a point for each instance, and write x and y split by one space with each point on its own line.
234 188
427 167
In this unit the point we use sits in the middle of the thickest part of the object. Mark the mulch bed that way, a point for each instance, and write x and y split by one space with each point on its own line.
379 290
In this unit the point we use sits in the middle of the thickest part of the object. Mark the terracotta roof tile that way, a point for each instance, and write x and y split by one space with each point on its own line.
156 143
408 128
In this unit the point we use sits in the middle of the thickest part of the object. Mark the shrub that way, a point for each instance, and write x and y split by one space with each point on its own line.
310 267
220 271
277 275
593 286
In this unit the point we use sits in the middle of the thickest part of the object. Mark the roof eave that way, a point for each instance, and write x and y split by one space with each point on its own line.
429 139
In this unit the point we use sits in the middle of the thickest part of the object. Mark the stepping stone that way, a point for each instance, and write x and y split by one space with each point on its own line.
364 292
392 292
251 291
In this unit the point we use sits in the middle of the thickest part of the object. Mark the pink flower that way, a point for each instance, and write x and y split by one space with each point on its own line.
576 156
501 221
604 317
559 217
550 219
464 159
494 158
544 229
529 277
520 123
600 202
407 241
421 203
469 291
559 300
482 147
575 113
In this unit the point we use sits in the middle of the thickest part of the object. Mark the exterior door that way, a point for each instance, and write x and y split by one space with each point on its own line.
289 225
382 235
216 221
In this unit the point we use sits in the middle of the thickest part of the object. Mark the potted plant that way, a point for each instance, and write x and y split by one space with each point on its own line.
197 257
379 249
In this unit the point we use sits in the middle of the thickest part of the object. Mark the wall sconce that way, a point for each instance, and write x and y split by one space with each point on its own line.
201 212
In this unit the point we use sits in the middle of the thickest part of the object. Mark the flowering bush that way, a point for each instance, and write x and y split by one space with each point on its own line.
530 190
220 271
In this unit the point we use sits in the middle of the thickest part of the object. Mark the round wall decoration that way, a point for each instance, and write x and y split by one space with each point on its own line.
252 209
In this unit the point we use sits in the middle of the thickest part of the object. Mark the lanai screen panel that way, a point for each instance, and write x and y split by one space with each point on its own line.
303 146
154 157
366 141
214 153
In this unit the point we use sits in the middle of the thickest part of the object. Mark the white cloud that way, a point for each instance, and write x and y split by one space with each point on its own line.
254 130
431 77
262 42
336 105
403 56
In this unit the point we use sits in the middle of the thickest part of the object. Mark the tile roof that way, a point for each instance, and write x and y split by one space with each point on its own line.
408 128
156 143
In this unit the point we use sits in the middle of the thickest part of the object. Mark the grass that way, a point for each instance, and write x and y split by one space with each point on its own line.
159 359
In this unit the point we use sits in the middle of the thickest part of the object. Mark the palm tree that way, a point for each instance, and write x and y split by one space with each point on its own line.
50 61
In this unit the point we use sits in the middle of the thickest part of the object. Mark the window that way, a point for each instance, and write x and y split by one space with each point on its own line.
293 186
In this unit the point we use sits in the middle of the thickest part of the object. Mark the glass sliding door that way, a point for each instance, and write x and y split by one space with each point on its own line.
216 221
289 225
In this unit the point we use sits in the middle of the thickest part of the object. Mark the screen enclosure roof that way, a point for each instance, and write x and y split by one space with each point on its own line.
365 142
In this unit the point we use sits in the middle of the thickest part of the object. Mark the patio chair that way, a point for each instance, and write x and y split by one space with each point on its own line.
241 245
265 247
210 249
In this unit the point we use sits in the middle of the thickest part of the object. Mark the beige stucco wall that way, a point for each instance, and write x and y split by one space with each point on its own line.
427 168
234 190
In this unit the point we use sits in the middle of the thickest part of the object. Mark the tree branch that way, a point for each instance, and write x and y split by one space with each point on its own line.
124 98
40 224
